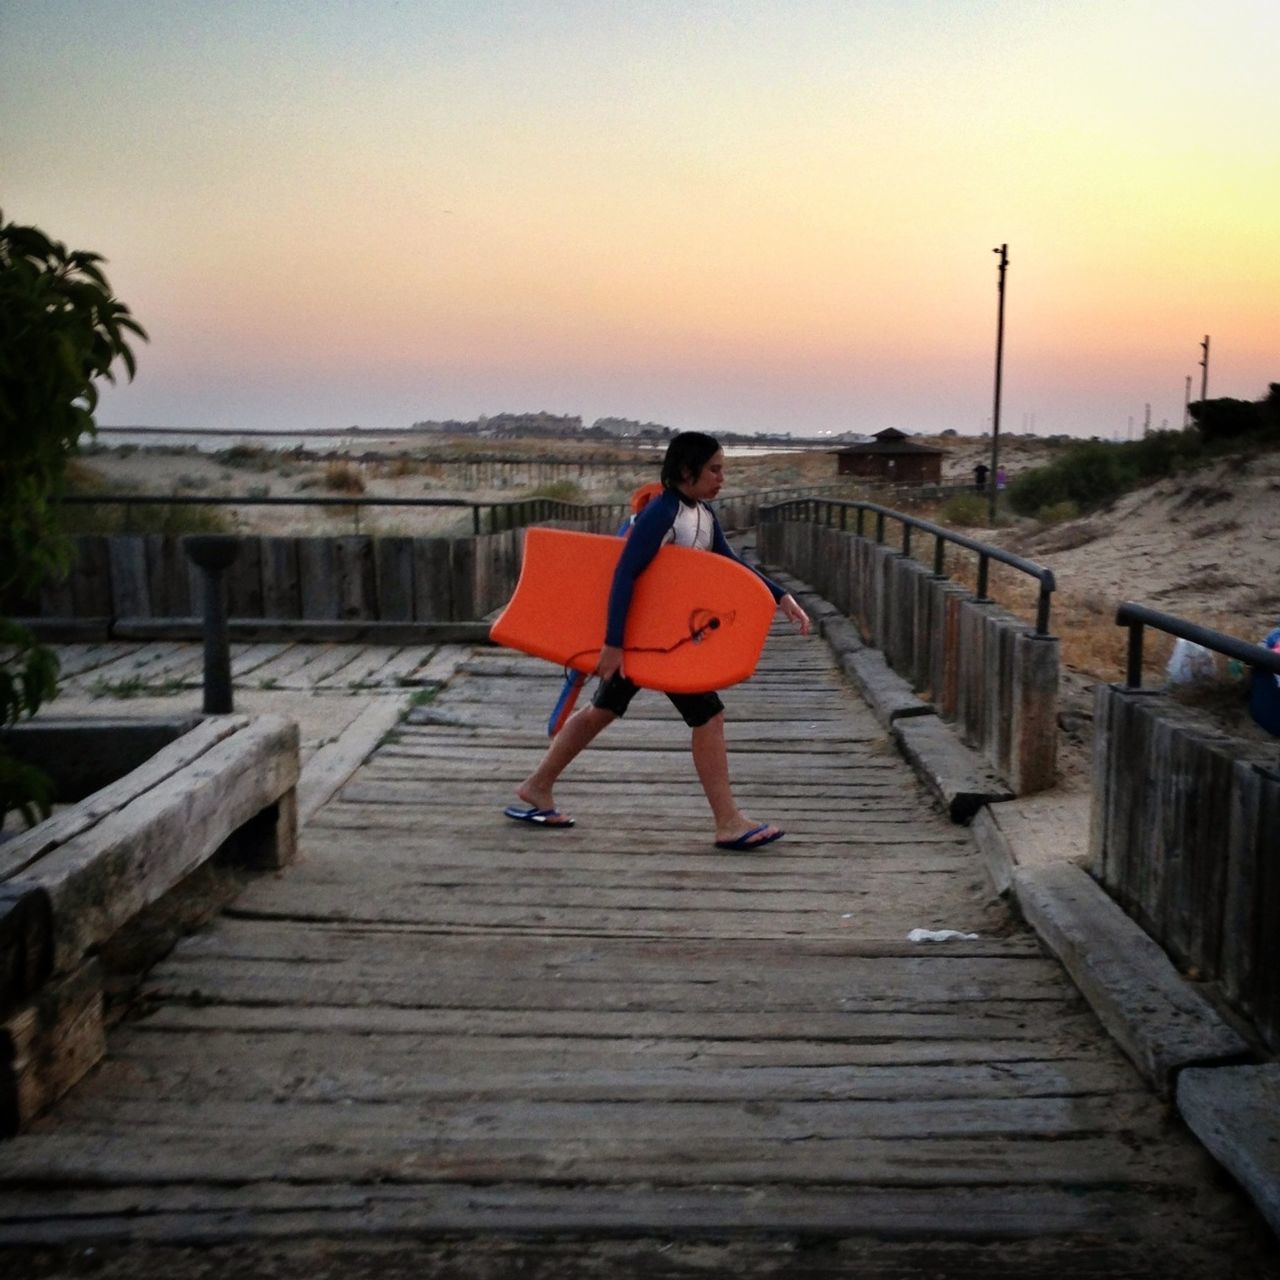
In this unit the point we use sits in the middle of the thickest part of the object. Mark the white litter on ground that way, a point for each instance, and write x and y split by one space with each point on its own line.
937 935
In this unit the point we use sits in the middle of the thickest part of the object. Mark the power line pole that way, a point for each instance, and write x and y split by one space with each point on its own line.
1186 405
1003 251
1204 370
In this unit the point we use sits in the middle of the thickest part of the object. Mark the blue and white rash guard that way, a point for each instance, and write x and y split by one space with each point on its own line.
667 519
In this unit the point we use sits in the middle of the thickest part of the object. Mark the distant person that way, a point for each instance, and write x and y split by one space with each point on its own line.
980 473
1001 478
692 475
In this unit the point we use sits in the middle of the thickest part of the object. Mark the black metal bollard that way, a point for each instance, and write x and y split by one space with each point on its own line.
213 554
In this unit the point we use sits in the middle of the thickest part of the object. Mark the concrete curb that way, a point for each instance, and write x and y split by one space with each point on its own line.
1232 1110
959 777
1161 1022
888 695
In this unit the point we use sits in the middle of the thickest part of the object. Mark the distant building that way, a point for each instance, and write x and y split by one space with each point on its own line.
889 456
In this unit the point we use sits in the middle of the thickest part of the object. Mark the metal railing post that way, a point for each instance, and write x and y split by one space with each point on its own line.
213 554
1133 670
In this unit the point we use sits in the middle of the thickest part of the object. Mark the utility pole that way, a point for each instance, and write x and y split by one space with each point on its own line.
1003 251
1204 370
1146 422
1186 405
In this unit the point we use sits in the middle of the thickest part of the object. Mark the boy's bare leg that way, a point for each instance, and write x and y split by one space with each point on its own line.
711 760
578 731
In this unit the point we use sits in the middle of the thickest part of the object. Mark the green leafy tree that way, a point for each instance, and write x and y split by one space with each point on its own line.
61 327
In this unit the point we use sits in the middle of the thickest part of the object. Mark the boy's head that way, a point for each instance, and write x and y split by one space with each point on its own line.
687 454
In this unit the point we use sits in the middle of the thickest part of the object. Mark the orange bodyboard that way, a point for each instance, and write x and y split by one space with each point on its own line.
697 622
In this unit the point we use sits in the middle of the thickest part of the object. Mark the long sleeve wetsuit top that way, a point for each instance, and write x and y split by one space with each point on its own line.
666 519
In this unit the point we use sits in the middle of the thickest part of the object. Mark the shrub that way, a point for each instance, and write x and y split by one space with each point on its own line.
1093 473
246 457
1058 512
1227 418
342 477
966 511
61 328
173 518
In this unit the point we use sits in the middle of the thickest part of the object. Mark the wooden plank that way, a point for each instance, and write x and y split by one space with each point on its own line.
1242 922
1202 894
393 571
55 600
23 850
248 659
168 578
433 594
75 659
366 661
324 662
356 588
47 1045
1266 990
318 578
127 556
403 667
335 762
281 578
747 1232
91 577
102 876
245 594
138 663
276 1144
289 662
462 578
1033 731
389 1070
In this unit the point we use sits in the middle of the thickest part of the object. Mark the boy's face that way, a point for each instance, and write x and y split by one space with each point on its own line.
710 479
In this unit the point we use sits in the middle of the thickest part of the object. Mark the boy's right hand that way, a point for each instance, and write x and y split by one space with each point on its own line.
610 663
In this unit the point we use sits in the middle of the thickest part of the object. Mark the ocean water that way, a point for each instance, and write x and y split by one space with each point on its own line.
316 442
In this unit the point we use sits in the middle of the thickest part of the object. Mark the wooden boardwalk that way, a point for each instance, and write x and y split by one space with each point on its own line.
615 1047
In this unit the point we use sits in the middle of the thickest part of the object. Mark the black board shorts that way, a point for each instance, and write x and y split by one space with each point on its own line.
697 709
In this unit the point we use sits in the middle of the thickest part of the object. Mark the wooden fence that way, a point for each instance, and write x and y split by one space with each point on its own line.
1184 836
985 670
345 578
357 577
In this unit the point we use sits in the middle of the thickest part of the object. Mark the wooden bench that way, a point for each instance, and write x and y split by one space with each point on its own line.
70 884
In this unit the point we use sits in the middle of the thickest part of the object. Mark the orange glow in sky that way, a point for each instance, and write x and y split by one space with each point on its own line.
717 214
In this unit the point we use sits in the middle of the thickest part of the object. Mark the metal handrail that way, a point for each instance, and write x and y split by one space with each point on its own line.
832 507
1137 617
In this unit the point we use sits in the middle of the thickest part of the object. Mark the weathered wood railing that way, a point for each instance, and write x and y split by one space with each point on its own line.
70 885
992 674
345 578
1185 827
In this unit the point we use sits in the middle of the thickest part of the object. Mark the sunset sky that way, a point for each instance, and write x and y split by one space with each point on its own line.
714 214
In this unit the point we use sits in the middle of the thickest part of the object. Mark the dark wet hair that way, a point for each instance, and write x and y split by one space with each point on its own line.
689 452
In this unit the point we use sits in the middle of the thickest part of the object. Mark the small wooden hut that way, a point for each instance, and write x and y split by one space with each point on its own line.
891 457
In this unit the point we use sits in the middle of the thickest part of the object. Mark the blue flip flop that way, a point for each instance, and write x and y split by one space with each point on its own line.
745 841
538 817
